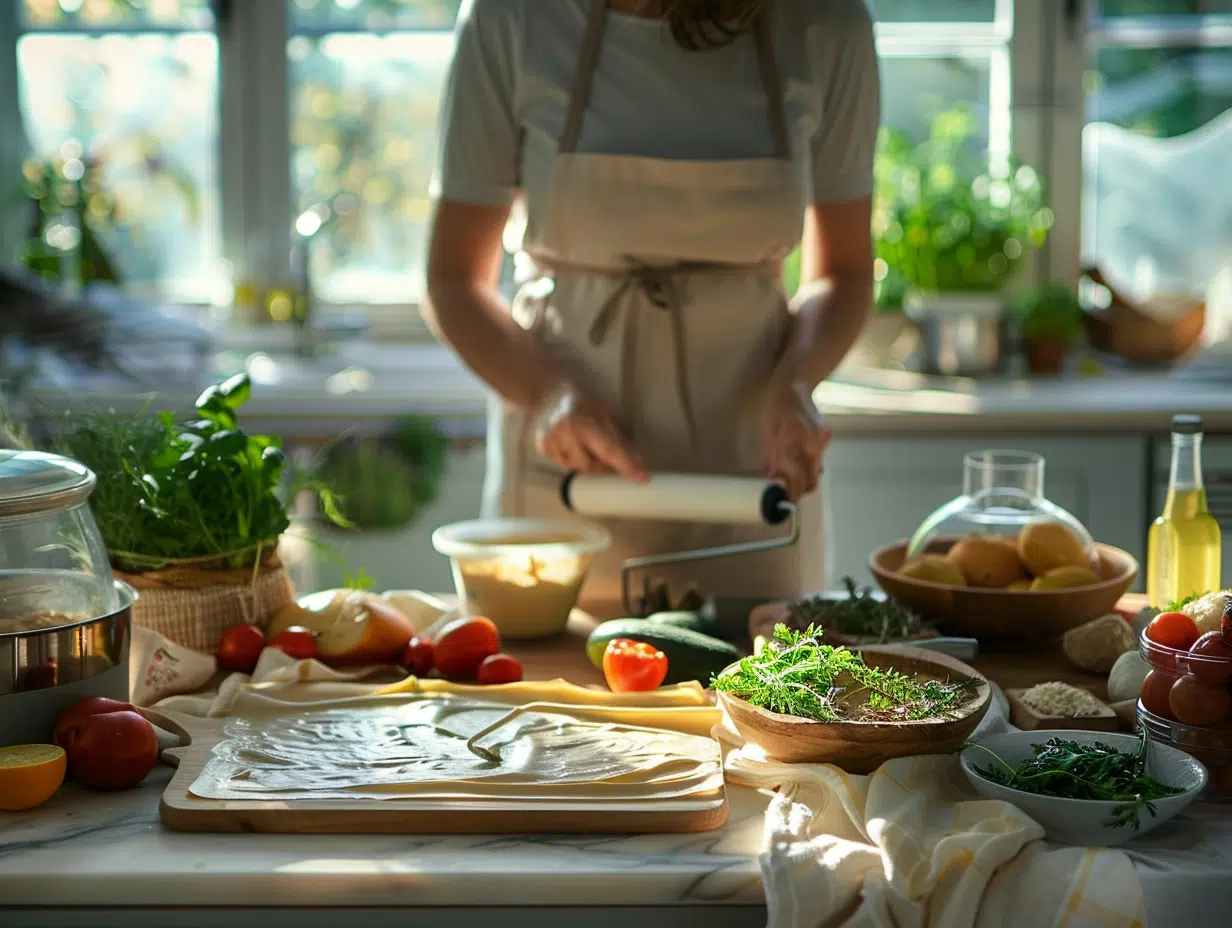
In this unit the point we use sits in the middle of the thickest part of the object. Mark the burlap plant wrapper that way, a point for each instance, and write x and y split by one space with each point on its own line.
192 605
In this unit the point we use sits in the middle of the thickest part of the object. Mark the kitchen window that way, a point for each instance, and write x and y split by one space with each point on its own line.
220 124
1157 144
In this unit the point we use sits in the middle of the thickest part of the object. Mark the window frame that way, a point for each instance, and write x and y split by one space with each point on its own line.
1035 111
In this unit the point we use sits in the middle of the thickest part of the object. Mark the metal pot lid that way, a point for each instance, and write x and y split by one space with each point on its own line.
33 481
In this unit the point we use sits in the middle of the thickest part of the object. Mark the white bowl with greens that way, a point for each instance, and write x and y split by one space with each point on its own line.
1057 777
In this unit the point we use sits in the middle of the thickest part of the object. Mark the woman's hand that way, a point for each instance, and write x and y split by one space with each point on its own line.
579 433
794 436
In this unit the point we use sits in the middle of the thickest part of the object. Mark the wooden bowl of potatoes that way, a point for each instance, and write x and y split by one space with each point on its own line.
1010 592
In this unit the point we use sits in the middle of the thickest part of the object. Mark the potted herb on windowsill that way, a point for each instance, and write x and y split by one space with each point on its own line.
1049 319
383 484
955 224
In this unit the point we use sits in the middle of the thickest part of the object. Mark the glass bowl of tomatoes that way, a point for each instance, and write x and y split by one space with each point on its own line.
1186 698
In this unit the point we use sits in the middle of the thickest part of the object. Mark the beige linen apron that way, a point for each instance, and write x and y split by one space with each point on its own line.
660 282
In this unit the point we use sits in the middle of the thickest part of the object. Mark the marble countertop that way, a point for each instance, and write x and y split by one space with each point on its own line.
119 854
365 385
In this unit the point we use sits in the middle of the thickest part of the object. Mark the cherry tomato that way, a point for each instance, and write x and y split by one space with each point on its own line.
240 647
1210 659
1195 703
1173 630
633 666
419 656
1156 689
463 644
297 642
499 668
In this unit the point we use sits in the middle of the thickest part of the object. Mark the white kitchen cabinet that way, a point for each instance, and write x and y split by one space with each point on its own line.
881 489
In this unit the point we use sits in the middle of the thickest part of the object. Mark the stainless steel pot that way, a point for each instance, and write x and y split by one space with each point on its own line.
960 334
44 670
65 622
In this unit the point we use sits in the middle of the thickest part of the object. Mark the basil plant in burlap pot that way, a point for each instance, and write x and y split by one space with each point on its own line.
191 513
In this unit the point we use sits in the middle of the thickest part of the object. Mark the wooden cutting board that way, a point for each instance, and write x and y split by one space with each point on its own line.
182 811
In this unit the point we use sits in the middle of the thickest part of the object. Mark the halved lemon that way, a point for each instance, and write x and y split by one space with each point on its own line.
30 774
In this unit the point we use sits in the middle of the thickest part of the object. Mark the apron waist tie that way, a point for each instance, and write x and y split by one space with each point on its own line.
663 288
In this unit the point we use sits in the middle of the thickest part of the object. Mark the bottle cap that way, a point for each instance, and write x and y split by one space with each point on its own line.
1187 424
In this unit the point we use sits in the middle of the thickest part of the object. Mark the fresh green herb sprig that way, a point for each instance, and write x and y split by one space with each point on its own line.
1182 603
861 614
1096 771
204 491
795 674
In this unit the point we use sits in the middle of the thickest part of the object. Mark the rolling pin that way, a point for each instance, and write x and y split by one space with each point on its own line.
679 498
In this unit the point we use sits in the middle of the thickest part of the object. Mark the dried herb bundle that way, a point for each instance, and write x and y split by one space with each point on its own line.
860 614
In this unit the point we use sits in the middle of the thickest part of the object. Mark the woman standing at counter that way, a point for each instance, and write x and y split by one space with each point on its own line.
669 156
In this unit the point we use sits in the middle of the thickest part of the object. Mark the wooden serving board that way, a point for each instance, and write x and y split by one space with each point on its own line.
182 811
1026 718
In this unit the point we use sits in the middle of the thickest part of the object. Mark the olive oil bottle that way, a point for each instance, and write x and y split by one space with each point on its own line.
1183 547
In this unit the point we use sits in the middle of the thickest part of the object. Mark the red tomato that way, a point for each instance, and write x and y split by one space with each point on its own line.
633 666
419 656
73 716
1173 630
1156 689
499 668
114 750
463 644
296 641
1195 703
239 648
1210 659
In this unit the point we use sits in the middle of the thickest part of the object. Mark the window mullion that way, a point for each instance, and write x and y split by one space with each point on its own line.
1047 105
256 145
13 144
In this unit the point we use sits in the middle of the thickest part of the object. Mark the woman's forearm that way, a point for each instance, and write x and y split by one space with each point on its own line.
829 314
474 320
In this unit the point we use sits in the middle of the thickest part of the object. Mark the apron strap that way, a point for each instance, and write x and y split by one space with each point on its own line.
588 60
772 82
583 77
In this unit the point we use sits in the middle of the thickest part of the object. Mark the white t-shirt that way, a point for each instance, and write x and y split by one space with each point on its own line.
508 89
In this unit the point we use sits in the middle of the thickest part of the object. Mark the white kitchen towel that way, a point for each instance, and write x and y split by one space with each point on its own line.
911 846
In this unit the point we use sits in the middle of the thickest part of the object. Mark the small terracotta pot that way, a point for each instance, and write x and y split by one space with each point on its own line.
1046 354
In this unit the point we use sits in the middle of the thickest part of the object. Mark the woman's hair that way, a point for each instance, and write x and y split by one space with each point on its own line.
704 24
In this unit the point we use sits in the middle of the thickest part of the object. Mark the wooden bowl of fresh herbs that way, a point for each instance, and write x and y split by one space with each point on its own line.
804 701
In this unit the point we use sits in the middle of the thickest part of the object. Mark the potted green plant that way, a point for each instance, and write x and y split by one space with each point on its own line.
192 512
954 223
1049 319
382 485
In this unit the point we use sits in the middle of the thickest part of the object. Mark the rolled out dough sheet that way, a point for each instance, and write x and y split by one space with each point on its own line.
414 746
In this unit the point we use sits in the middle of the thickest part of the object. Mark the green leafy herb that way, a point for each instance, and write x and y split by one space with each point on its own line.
861 614
202 491
1181 604
1085 771
795 674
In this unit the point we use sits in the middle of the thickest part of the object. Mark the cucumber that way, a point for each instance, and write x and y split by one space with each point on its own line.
690 654
684 618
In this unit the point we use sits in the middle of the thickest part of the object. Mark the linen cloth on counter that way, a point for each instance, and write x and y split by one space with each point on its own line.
911 845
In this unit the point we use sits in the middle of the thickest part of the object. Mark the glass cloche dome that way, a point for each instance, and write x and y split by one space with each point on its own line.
1002 492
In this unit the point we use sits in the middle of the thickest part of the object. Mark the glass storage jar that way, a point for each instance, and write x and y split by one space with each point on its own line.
1002 491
